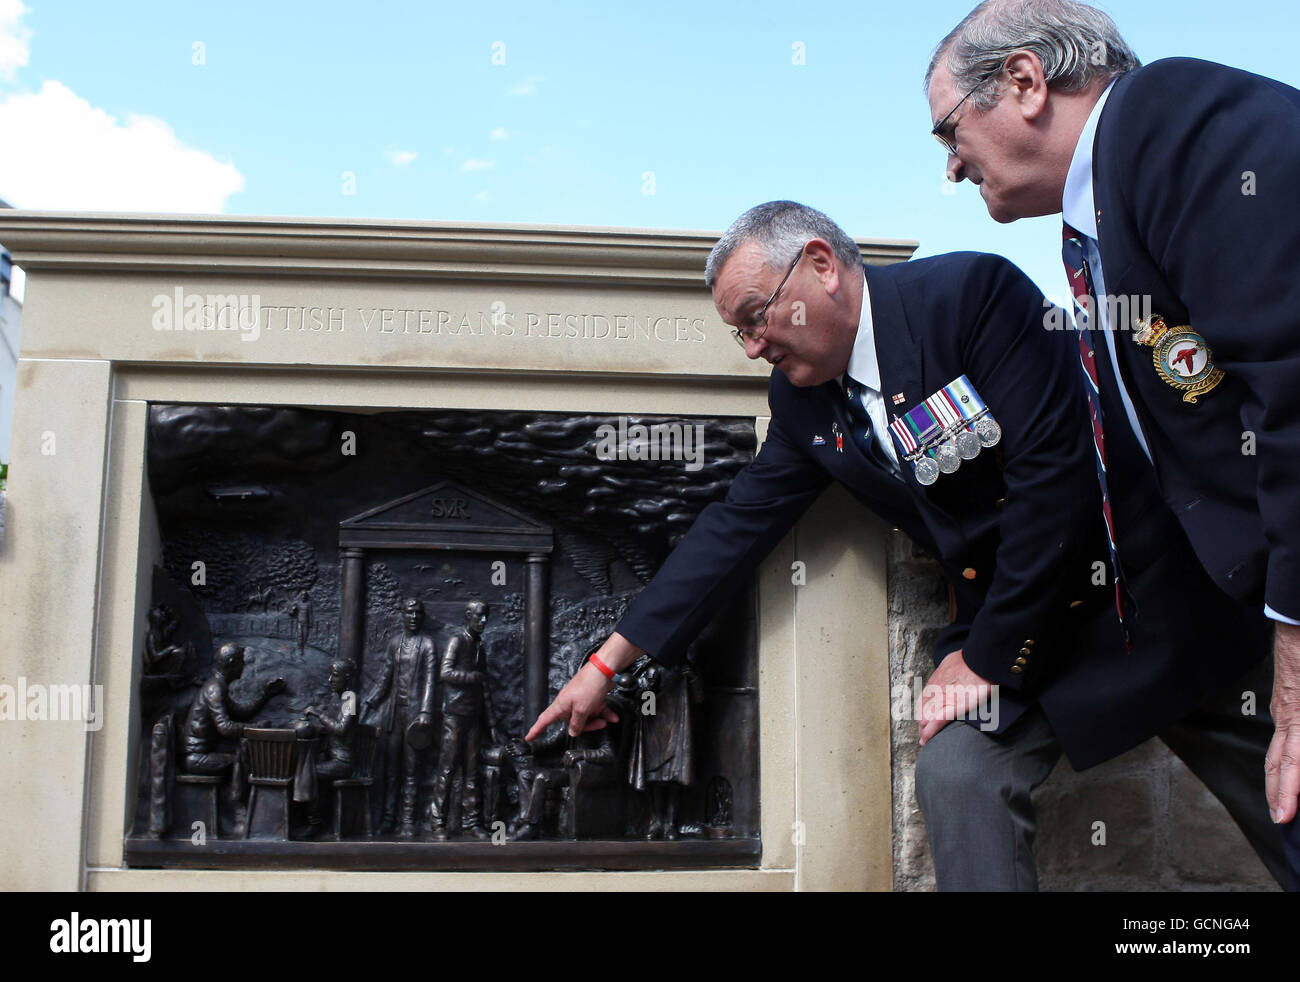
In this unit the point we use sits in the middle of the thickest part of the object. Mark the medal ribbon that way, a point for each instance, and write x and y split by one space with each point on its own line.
965 398
916 430
941 406
904 437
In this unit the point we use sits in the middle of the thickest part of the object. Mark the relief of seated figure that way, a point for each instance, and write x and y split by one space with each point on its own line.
216 717
335 757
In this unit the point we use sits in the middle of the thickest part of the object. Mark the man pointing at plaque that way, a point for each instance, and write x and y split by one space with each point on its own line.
931 391
1179 184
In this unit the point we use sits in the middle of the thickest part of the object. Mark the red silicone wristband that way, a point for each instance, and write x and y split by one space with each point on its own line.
604 669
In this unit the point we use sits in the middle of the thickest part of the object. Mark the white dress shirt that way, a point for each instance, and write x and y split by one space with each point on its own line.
864 368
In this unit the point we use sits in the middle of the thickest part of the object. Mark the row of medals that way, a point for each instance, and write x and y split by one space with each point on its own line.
964 445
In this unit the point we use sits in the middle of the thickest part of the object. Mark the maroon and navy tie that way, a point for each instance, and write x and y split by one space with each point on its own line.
1085 302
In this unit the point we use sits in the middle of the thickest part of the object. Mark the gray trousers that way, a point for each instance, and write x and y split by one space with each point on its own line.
974 788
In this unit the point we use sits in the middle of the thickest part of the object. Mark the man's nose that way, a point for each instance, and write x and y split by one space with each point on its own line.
956 169
754 347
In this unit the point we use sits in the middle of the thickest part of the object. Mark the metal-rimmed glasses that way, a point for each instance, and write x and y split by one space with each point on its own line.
744 335
950 143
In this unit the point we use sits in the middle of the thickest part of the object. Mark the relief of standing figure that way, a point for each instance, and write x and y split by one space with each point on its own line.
300 614
662 759
403 694
466 714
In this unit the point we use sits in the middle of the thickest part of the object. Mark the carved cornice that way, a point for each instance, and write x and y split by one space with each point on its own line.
369 248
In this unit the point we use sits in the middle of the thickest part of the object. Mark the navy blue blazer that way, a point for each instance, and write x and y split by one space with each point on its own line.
1016 531
1180 146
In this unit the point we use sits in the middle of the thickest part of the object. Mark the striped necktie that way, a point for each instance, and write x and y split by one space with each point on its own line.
1085 302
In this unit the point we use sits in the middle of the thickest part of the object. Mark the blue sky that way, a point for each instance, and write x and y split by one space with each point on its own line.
595 105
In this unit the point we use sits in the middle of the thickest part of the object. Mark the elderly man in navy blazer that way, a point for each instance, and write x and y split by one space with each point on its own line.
1179 183
860 353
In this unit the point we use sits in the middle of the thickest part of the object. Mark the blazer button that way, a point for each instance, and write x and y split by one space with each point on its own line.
1016 669
1030 642
1075 603
969 573
1021 661
1025 651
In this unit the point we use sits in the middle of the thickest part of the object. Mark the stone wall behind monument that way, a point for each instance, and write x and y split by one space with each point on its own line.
1164 830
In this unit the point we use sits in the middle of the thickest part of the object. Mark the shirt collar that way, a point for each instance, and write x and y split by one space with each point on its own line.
1077 205
864 366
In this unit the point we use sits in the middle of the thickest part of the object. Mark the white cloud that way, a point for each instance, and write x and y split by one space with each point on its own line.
499 134
474 164
13 39
63 153
399 158
526 87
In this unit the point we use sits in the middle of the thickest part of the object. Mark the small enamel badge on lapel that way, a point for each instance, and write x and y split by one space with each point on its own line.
839 437
1181 357
899 398
819 441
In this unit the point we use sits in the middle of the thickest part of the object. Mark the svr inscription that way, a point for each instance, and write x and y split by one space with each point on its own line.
450 508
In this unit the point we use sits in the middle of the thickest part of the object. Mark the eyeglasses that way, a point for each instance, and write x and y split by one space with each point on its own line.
743 335
950 142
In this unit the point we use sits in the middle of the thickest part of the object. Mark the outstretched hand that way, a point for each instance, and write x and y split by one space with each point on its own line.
581 702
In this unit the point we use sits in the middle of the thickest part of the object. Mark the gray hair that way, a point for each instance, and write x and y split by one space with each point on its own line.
1077 45
781 228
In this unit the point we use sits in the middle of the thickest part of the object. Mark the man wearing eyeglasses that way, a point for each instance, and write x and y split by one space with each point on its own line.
1016 528
1179 184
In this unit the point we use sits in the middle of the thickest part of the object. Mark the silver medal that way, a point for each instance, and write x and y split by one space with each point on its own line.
927 471
968 445
988 431
947 457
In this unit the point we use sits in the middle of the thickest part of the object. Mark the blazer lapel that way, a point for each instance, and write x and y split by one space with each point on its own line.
867 475
899 358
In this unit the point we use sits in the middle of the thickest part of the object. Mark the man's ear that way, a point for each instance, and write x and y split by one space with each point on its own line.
1027 84
819 255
